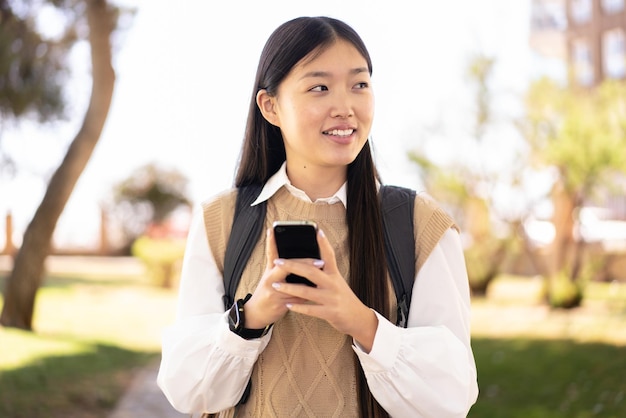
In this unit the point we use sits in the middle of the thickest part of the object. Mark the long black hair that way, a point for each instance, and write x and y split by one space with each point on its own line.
263 153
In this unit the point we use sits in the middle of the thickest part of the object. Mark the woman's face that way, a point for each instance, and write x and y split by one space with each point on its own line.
324 108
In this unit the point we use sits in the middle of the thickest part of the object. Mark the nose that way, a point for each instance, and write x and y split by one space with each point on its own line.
342 105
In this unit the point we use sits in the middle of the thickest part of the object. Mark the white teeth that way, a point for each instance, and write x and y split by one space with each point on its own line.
340 132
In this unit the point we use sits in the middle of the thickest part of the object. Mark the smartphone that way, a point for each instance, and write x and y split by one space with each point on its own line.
297 239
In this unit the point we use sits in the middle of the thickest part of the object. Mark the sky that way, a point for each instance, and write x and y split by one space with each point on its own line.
184 77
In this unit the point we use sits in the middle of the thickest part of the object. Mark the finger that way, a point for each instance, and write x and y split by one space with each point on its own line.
326 252
270 248
318 311
305 267
298 293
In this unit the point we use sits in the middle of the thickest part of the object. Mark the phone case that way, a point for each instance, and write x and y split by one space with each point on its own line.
297 239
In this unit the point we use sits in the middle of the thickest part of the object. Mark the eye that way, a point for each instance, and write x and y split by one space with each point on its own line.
362 85
319 88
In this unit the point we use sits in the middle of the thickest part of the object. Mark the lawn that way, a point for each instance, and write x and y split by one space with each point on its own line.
534 362
95 327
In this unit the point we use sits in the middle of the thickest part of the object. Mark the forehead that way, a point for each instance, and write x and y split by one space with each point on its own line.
337 55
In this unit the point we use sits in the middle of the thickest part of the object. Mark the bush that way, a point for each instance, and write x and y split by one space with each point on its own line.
483 260
162 257
563 292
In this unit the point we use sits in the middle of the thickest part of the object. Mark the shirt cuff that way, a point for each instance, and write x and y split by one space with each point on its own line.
385 349
236 346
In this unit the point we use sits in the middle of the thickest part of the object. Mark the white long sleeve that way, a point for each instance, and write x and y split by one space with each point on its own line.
202 362
428 369
425 370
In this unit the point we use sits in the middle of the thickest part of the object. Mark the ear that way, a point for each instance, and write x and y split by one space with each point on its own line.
267 106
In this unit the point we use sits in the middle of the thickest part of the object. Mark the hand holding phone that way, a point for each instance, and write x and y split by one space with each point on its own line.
297 239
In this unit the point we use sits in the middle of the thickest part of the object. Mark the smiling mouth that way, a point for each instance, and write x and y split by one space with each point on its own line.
339 132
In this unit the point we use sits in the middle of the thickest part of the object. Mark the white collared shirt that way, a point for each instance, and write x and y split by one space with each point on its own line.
280 179
424 370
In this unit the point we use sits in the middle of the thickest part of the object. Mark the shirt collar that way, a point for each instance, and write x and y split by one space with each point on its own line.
280 179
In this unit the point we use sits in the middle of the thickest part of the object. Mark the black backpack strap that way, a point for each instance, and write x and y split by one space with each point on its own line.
397 209
247 227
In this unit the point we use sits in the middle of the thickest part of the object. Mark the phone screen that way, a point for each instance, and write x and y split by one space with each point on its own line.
296 239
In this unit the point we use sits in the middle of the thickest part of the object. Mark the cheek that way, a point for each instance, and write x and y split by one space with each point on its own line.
310 111
306 118
293 113
294 122
368 109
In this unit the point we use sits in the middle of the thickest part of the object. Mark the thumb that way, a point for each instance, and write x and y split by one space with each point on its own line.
326 252
270 248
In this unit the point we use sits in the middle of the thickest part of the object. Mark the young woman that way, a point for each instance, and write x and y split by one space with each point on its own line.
330 350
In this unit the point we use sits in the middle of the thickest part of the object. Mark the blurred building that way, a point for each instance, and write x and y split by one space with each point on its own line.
548 39
596 40
588 36
548 25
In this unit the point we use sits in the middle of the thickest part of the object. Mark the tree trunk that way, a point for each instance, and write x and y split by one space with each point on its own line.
27 274
563 220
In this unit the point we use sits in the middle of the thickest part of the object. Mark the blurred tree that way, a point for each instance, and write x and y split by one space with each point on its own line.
142 204
469 186
147 197
100 20
581 134
32 71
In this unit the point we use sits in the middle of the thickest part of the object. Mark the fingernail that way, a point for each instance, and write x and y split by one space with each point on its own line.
321 232
318 263
289 305
276 285
279 262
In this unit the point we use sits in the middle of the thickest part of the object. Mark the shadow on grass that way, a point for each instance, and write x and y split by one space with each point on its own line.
83 385
549 379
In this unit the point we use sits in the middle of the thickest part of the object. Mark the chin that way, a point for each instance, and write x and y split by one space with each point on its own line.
342 161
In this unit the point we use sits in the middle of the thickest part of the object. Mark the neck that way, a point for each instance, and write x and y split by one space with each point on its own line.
317 182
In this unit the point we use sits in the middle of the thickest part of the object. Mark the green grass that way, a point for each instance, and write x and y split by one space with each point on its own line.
534 362
83 379
92 332
537 378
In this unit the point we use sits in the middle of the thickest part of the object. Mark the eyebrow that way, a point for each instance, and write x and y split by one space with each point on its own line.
325 74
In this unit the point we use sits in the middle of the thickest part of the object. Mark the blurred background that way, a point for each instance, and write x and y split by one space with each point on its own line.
118 117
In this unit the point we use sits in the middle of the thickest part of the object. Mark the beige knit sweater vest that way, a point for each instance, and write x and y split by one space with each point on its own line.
307 369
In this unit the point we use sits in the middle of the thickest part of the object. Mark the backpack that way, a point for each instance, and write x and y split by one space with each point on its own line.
397 211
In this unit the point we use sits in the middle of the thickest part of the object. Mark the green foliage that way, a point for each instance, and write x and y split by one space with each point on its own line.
563 292
33 69
148 196
161 256
479 73
581 133
459 181
483 260
451 185
577 131
462 185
